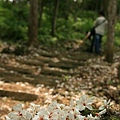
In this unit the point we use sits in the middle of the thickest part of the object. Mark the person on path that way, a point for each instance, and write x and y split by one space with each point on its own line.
100 26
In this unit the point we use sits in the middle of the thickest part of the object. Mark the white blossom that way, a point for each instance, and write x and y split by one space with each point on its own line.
105 105
56 111
85 102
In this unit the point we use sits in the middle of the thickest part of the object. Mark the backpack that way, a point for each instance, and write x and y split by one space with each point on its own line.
92 31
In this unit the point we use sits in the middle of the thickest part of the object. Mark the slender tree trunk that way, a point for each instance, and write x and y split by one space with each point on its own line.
7 1
14 1
40 9
97 5
119 71
111 29
53 30
33 23
84 5
105 4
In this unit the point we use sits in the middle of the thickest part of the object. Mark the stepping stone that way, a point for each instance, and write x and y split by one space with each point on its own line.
21 96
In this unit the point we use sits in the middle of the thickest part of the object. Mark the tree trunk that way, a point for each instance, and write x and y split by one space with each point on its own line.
40 9
53 30
33 23
14 1
105 4
7 1
84 5
111 29
119 71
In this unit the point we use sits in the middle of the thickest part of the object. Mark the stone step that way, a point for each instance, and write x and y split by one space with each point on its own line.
57 73
21 96
16 69
31 79
79 56
47 54
31 62
63 64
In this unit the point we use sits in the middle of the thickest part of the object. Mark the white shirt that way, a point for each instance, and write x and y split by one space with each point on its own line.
102 27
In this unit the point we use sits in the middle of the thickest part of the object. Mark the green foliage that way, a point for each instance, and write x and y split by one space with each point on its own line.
88 14
117 35
14 21
73 20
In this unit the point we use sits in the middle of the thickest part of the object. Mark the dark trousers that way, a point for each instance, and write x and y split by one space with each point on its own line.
96 43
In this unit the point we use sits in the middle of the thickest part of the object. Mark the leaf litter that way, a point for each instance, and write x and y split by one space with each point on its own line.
96 78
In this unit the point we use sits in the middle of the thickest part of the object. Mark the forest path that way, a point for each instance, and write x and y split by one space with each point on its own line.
43 66
47 74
